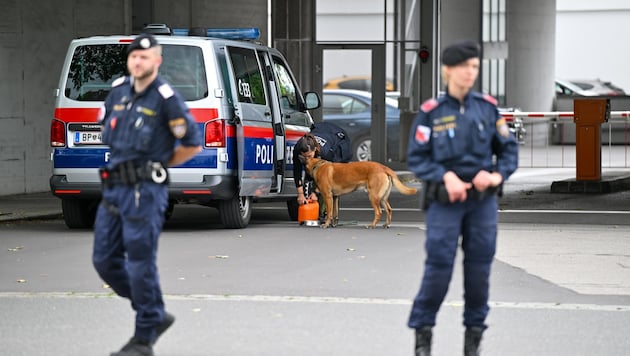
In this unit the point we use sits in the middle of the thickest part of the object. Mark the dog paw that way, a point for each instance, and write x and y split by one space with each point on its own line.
386 226
370 226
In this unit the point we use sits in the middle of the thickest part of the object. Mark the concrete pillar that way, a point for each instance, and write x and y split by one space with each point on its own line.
293 34
531 30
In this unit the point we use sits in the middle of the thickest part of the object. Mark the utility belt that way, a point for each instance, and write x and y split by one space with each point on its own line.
436 192
130 173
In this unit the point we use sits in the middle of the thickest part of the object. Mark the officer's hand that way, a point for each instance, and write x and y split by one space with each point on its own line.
484 180
301 199
455 187
312 197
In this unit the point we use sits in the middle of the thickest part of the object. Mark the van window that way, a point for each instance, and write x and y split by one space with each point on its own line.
248 76
95 67
288 91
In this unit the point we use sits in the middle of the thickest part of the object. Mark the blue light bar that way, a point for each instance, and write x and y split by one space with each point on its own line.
225 33
235 33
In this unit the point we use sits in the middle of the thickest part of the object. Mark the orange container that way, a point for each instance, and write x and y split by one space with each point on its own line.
308 212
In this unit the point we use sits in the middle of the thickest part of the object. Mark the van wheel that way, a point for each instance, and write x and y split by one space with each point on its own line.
292 207
363 149
79 214
235 213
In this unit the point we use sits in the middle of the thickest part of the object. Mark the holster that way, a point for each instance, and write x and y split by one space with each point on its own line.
130 173
436 192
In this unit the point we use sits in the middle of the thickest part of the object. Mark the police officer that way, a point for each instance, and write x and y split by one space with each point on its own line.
462 150
306 147
148 128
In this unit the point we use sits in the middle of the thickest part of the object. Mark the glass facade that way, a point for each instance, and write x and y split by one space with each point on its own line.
494 35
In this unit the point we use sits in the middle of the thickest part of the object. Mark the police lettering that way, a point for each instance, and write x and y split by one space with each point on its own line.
264 154
107 156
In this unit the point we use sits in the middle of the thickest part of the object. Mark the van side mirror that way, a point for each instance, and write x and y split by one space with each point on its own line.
311 100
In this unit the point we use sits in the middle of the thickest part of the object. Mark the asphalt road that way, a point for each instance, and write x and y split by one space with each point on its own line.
560 283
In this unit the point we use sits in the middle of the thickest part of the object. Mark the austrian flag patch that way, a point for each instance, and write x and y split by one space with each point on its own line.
423 133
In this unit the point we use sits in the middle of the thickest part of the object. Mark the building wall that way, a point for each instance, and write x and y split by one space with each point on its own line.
591 40
34 36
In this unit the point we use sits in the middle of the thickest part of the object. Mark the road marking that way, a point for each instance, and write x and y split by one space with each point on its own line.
590 212
331 300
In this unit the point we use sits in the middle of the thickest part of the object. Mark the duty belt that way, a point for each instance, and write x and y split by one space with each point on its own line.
436 192
130 173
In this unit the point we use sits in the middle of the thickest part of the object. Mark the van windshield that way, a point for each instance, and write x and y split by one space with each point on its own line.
95 67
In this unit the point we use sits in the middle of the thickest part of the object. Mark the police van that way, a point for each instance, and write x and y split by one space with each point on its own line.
243 96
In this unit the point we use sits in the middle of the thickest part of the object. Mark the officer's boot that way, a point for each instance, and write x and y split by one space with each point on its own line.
423 341
472 339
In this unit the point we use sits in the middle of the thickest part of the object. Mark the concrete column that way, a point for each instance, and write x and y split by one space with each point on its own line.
531 30
293 34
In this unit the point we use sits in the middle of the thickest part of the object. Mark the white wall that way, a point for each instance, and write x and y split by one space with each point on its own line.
339 21
592 40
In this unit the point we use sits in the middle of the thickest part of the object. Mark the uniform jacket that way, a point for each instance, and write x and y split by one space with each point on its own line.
461 137
145 126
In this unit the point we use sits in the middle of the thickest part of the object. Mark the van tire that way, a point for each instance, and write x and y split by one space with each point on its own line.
236 212
292 207
79 214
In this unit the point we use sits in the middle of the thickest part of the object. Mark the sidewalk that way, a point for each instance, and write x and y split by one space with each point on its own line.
42 205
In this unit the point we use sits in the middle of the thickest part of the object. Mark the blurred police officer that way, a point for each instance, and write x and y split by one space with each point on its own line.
148 128
462 150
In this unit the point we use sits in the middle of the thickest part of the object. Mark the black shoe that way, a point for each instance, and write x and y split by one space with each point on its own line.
135 347
166 323
423 341
472 339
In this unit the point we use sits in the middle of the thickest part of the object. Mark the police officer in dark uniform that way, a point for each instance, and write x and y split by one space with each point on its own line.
462 150
148 128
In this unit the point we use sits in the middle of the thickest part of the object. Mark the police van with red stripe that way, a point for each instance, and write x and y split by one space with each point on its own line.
242 95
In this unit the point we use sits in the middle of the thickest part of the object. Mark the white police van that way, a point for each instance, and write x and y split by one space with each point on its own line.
243 96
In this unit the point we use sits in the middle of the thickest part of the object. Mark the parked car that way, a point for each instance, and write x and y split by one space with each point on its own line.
598 86
567 88
352 111
355 82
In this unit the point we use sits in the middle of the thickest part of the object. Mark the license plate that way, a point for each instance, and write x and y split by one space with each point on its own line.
88 138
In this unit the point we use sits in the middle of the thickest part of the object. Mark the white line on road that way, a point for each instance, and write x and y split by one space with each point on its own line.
332 300
590 212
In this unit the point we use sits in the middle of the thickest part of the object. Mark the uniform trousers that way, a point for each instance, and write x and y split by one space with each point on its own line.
126 234
476 222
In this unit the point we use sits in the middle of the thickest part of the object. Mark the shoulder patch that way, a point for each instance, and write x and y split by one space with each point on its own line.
490 99
429 105
118 82
166 91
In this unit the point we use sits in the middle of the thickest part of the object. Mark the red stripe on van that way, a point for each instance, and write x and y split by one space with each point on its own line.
77 114
91 114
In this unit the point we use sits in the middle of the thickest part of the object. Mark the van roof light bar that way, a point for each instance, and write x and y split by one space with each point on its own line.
157 29
251 33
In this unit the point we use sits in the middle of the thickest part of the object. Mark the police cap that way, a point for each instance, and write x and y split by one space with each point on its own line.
459 52
143 41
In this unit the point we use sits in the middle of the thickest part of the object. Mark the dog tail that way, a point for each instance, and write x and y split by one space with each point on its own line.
399 185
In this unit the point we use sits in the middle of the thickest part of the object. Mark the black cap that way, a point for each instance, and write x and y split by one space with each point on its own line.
459 52
143 41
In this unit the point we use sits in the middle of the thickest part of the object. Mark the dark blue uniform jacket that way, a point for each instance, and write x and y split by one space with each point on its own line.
461 137
145 126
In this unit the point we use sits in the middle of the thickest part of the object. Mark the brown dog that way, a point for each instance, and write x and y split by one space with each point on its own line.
335 179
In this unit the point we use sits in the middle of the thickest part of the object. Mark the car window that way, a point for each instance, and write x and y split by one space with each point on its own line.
95 67
357 84
288 91
248 76
334 104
